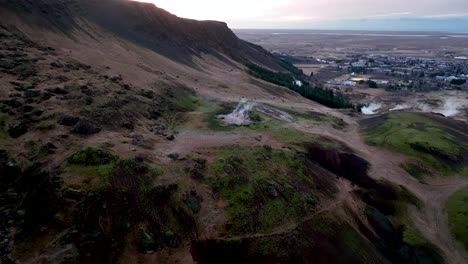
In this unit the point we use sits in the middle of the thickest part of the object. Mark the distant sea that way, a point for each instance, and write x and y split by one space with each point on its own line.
353 33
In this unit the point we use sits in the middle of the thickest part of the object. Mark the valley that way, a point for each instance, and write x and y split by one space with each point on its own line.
169 140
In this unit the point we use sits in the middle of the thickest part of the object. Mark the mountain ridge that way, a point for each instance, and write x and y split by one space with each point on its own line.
151 27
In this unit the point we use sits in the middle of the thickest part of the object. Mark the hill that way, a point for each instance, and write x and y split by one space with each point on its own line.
119 143
143 24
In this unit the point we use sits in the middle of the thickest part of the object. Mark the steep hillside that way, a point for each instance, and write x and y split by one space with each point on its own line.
143 24
119 144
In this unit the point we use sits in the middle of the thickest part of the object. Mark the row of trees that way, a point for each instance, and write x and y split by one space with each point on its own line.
323 96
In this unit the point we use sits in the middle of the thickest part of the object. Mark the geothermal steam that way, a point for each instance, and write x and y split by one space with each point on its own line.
371 109
451 107
240 115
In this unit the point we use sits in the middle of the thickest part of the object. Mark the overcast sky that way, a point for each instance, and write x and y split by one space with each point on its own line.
451 14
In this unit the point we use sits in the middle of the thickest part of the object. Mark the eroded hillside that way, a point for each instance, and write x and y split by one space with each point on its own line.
113 149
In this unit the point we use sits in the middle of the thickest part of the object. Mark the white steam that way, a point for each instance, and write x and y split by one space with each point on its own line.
240 115
371 109
424 107
451 107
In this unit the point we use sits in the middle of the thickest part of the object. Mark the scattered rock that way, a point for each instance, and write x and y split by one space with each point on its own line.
171 137
67 120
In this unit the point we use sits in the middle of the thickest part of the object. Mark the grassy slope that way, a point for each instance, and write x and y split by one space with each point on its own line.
251 208
401 131
458 215
268 125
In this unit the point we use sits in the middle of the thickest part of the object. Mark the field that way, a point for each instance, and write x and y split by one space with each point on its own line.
458 216
436 141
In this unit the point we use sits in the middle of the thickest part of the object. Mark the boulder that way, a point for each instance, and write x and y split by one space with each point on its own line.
193 201
8 64
17 131
58 91
86 128
74 194
25 109
89 100
173 156
128 125
67 120
31 94
228 168
24 86
273 191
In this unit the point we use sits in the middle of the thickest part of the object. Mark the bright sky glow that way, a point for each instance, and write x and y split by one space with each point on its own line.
299 13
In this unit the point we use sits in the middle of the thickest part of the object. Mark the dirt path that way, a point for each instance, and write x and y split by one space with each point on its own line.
189 140
432 221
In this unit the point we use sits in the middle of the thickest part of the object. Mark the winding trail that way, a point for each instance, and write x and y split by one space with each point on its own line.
432 221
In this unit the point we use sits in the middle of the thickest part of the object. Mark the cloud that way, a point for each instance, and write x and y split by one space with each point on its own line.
288 13
391 15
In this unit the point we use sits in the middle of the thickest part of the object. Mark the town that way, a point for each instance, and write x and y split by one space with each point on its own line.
391 72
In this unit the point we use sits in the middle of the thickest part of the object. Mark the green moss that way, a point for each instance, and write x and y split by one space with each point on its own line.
413 238
415 170
458 216
91 162
261 186
184 98
146 240
419 136
46 125
103 171
91 157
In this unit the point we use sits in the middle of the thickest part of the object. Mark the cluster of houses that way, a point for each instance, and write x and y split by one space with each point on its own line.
393 69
